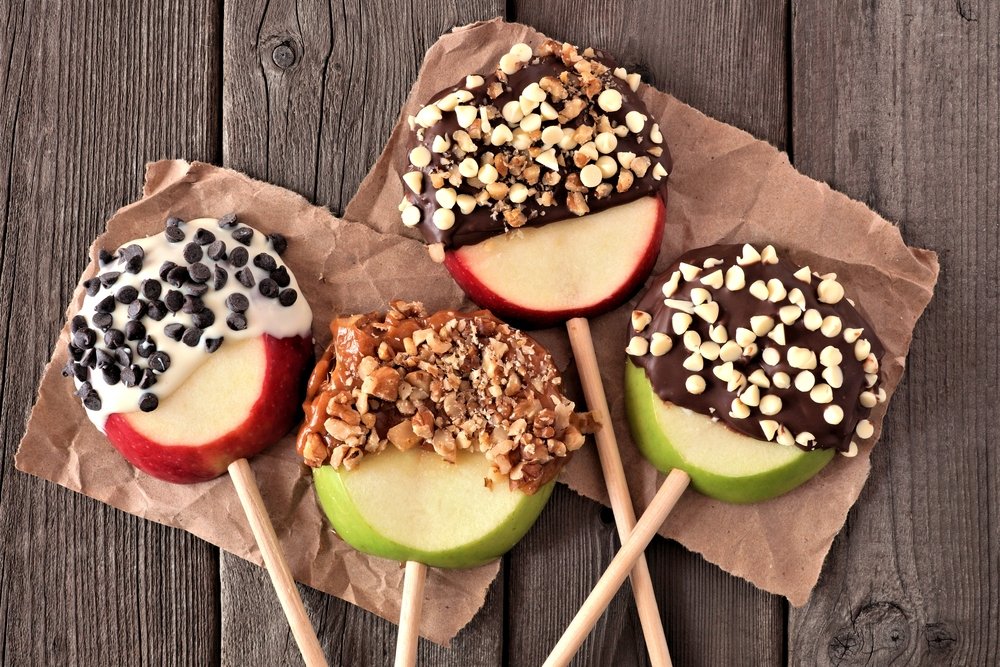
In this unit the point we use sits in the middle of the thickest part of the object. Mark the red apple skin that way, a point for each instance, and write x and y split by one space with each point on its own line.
540 319
271 417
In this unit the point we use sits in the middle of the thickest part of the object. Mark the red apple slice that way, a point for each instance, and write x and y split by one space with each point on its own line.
245 397
571 268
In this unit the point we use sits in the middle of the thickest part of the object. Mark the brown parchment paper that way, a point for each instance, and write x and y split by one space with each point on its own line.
342 268
726 187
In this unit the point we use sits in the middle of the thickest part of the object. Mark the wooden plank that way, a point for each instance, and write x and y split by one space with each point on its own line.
88 93
728 60
896 103
311 92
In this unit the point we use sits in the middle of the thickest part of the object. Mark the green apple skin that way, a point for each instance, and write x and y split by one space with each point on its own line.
727 466
337 498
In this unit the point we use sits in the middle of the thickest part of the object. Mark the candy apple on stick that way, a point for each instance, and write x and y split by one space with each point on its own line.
435 440
746 373
188 353
542 185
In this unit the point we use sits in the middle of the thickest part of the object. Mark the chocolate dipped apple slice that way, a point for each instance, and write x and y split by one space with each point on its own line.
188 353
542 185
435 439
746 373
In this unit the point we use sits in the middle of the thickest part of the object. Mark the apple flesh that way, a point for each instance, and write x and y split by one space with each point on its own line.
246 396
414 505
571 268
722 463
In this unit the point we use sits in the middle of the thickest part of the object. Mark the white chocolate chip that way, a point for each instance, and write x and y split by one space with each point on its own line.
548 159
771 356
551 135
776 290
769 427
692 340
806 439
694 363
444 218
681 305
689 271
607 165
522 140
625 159
831 326
852 335
463 140
761 324
606 142
867 400
834 376
759 378
750 350
759 290
446 197
531 123
640 319
812 319
724 371
512 113
804 275
870 364
700 295
829 291
710 350
833 414
796 296
488 174
735 278
695 384
680 322
801 357
610 100
547 111
718 334
805 381
518 193
660 344
822 394
637 346
862 349
882 396
655 135
633 81
770 405
591 175
744 336
411 216
864 429
708 312
420 156
781 380
440 144
670 287
769 255
414 180
751 395
789 314
871 379
466 203
466 115
428 116
521 51
748 256
474 81
777 334
635 121
738 409
830 356
730 351
509 64
714 279
785 437
851 452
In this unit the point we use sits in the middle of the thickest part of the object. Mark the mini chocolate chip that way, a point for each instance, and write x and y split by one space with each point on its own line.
84 389
106 305
93 286
127 294
123 356
112 374
147 381
244 235
92 401
110 278
174 301
81 372
174 331
287 297
105 257
159 361
237 302
213 344
265 261
227 221
85 338
78 322
165 269
217 250
192 336
134 331
239 256
278 242
148 402
237 321
245 276
280 276
156 310
221 277
137 309
203 237
198 289
103 321
174 222
105 358
88 358
204 319
76 352
174 234
131 375
192 304
199 272
114 338
177 276
192 253
150 288
134 265
146 347
268 288
131 252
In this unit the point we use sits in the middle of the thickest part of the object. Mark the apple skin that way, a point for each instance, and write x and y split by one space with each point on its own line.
527 317
764 484
271 417
341 511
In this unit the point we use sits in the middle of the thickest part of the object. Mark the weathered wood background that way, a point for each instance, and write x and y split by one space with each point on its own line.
893 102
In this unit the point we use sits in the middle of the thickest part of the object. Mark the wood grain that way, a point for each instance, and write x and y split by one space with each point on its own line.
896 103
88 93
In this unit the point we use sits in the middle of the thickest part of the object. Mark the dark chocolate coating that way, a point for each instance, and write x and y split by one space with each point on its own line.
799 412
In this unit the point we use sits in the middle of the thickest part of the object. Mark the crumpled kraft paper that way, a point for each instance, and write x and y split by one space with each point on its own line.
726 187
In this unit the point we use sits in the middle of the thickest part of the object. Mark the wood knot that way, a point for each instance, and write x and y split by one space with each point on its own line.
878 629
941 637
283 55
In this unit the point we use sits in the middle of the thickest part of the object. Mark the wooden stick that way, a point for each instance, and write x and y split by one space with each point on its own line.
631 551
409 614
614 479
274 561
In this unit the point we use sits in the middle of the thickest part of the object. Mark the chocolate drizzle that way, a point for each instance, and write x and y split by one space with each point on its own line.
487 218
800 413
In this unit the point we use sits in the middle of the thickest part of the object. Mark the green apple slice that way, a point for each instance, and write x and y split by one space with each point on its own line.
414 505
722 463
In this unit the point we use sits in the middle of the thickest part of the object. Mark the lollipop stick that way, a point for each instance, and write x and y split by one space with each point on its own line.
274 561
409 613
609 583
614 479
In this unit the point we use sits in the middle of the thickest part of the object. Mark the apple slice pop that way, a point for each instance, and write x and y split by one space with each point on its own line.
189 353
746 374
542 187
435 440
